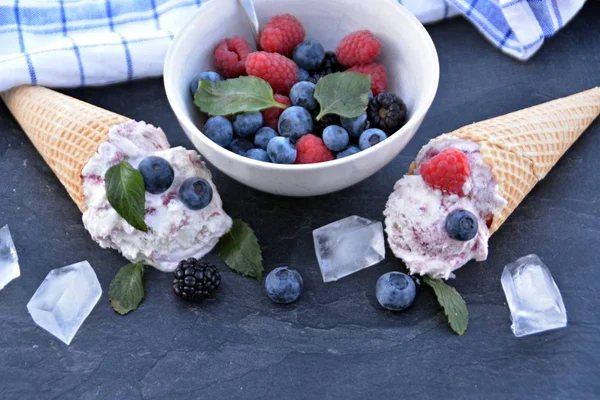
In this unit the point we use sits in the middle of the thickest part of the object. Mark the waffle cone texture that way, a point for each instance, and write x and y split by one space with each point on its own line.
523 146
64 130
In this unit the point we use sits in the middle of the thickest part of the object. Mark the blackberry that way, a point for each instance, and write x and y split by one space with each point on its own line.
195 280
387 112
315 78
330 64
326 120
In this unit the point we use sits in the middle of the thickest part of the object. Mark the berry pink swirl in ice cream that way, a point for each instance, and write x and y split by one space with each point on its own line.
433 230
175 231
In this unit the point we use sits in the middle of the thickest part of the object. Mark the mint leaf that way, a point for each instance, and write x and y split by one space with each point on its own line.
343 93
126 291
231 96
454 306
239 249
126 193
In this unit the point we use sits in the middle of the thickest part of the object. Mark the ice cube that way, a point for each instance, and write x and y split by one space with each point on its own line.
533 298
65 299
347 246
9 262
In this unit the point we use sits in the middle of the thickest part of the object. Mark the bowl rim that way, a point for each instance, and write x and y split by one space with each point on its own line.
170 89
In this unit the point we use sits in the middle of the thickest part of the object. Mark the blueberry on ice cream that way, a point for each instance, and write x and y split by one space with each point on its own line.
462 225
157 173
195 193
436 217
183 210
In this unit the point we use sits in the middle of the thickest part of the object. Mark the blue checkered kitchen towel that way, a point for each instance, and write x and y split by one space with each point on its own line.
69 43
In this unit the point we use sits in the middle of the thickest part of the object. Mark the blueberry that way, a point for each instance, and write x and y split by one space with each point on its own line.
357 125
295 122
219 130
303 75
157 173
309 54
240 146
336 138
246 124
370 95
462 225
395 291
370 138
207 76
303 94
195 193
281 150
263 136
258 154
352 149
284 285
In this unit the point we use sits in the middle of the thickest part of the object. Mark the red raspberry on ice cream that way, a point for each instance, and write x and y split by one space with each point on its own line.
230 56
311 149
281 34
279 71
447 171
360 47
378 76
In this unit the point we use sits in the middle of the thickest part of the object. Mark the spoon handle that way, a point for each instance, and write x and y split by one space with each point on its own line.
248 6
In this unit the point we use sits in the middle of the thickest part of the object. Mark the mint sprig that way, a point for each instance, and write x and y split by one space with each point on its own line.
126 291
231 96
126 193
453 304
344 93
239 249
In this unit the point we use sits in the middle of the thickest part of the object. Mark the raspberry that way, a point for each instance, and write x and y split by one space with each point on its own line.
271 115
230 56
378 76
311 149
279 71
360 47
281 34
447 171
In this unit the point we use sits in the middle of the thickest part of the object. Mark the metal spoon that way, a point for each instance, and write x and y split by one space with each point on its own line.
248 6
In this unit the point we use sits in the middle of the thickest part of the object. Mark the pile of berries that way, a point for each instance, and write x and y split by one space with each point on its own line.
292 64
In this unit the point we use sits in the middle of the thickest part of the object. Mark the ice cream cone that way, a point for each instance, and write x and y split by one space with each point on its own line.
523 146
541 133
66 131
514 174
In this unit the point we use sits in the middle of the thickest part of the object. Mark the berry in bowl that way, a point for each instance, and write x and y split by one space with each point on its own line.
316 109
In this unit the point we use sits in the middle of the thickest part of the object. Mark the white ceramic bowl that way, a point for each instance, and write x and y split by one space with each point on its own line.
407 52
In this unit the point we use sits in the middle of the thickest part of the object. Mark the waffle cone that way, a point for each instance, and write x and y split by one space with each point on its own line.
541 133
65 131
523 146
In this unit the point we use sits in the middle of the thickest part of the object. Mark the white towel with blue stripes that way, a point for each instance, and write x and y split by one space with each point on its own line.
70 43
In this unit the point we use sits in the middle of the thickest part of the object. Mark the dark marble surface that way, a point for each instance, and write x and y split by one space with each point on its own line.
335 342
